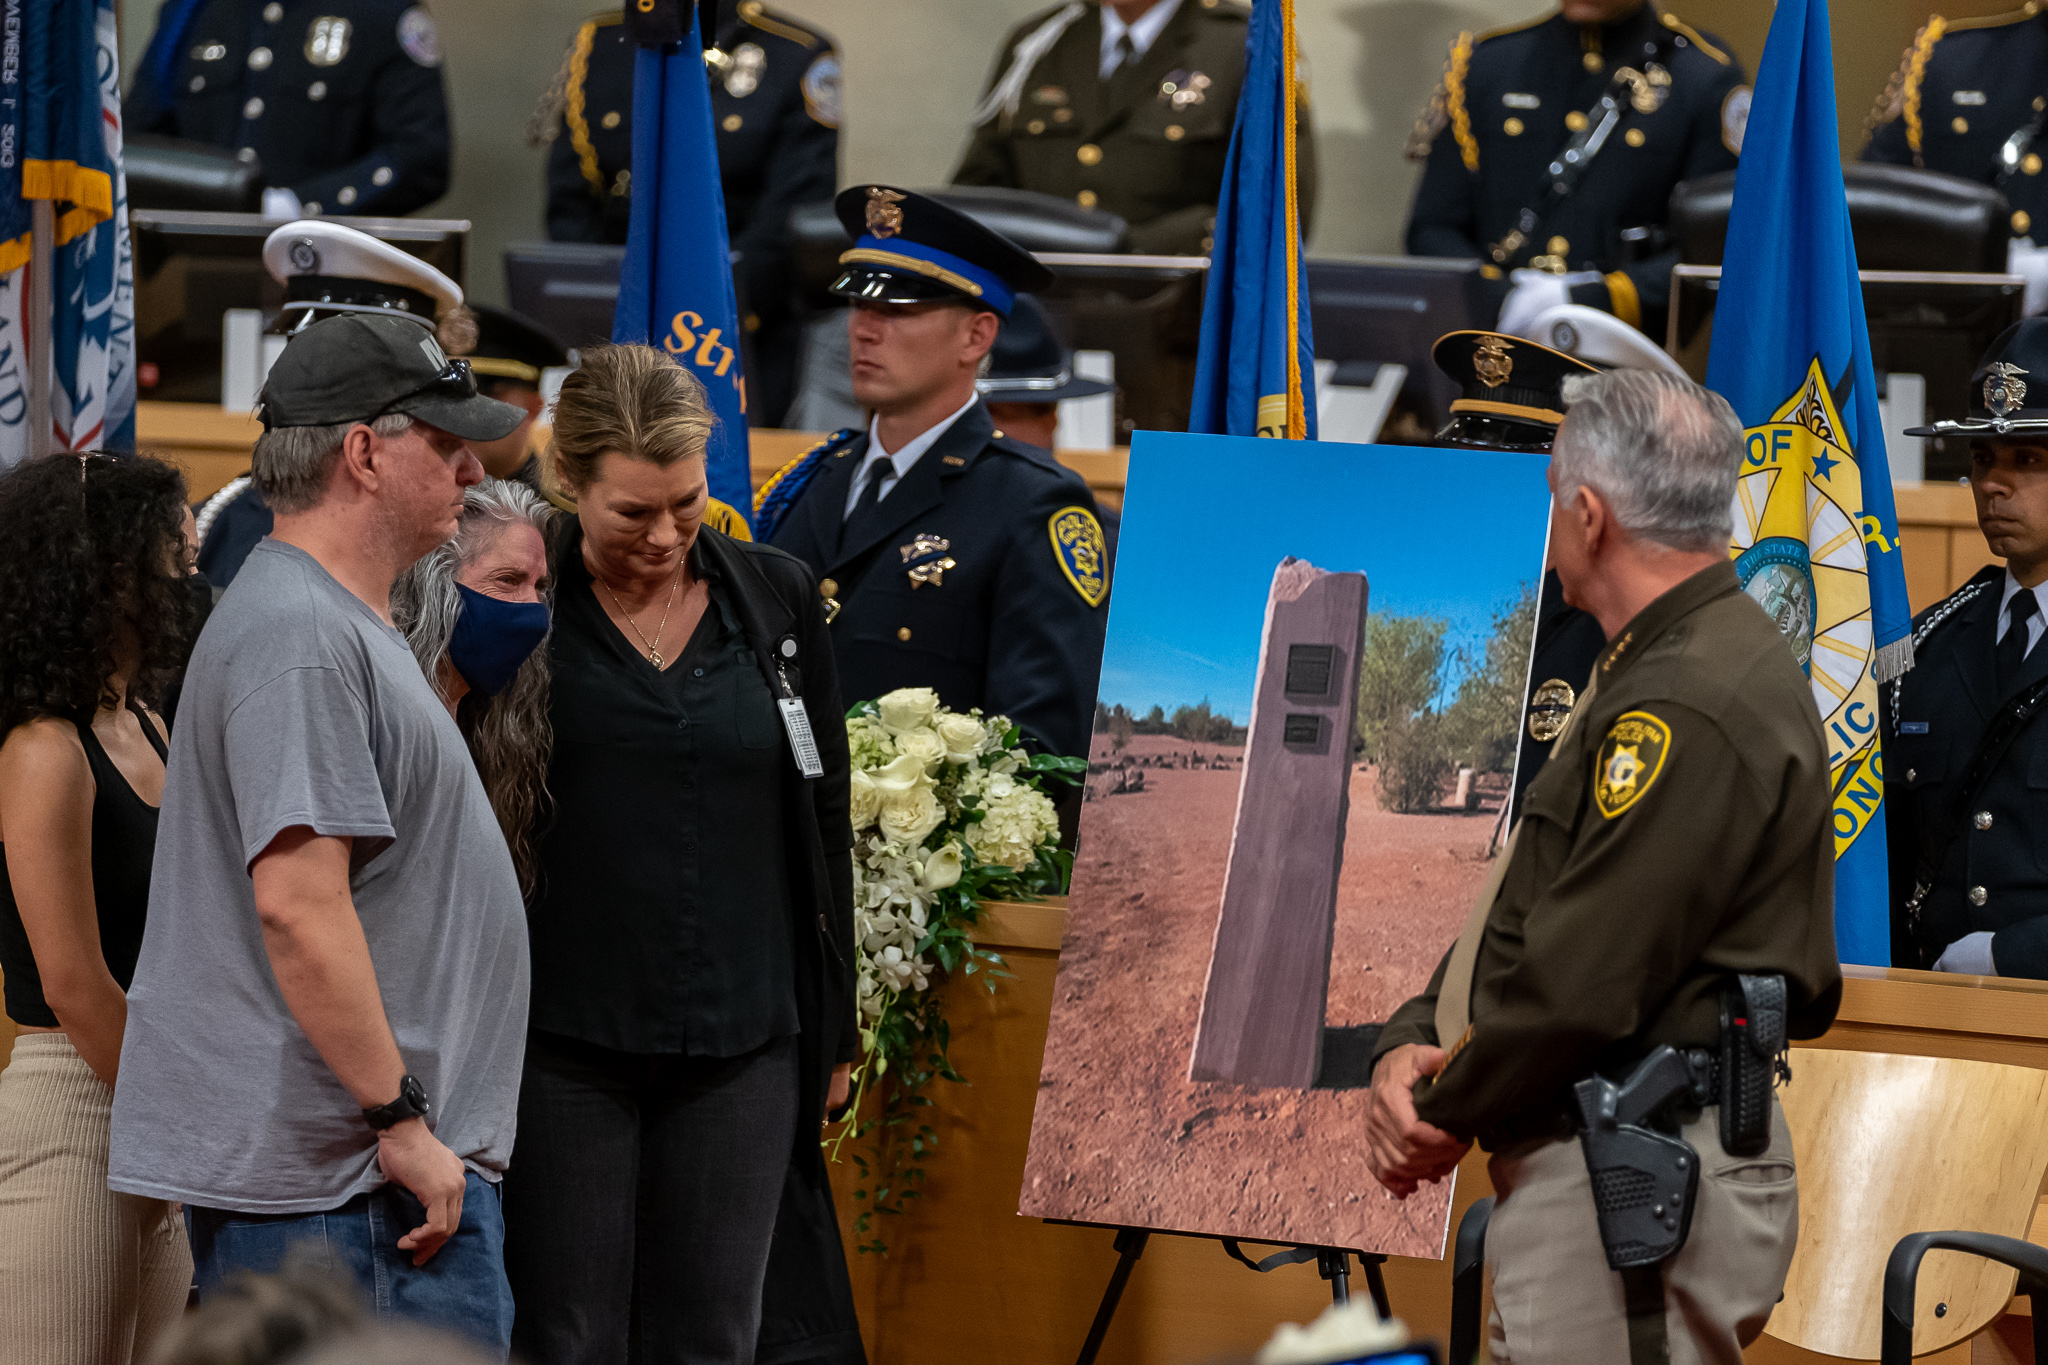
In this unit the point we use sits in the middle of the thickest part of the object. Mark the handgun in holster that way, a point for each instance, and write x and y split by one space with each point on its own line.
1644 1180
1752 1061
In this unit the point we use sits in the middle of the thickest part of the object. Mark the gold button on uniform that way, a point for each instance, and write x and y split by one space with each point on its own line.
1036 126
828 587
903 632
2022 221
610 120
1558 246
1088 154
1592 61
1513 127
1978 895
1634 137
1086 199
731 123
1062 115
1982 819
1575 121
996 435
1960 124
1174 132
2032 163
345 195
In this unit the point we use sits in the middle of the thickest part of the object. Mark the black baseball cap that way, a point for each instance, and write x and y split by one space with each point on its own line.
361 366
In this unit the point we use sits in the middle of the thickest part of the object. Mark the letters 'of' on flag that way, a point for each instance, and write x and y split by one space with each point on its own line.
1256 371
676 290
1816 539
60 140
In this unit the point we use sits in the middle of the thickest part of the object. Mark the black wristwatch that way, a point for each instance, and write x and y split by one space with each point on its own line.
410 1104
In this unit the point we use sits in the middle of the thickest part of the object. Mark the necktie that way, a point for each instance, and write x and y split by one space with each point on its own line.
2012 649
870 499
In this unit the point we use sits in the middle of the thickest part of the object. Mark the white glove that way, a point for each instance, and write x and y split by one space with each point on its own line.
1970 955
2030 263
281 204
1535 293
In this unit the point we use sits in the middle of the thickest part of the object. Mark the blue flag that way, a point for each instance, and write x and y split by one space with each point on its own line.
675 290
1256 372
1816 539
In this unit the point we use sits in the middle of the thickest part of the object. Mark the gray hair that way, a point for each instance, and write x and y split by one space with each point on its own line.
1659 448
510 739
292 464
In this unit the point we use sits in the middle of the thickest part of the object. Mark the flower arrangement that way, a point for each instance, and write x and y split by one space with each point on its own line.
947 812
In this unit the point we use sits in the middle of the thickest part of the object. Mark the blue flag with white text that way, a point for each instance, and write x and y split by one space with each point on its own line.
1816 539
675 290
1255 375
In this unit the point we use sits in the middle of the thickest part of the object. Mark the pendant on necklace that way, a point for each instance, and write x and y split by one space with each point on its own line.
654 657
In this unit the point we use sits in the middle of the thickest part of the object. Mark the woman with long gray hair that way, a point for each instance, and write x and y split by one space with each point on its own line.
475 612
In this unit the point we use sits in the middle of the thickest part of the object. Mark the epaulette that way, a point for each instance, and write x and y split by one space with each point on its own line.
758 15
2016 16
787 484
1692 35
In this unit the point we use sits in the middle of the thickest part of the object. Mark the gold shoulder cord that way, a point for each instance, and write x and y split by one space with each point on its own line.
572 112
1678 25
1454 97
1916 70
779 475
757 15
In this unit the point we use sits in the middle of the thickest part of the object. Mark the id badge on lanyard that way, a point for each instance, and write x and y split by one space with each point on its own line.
796 722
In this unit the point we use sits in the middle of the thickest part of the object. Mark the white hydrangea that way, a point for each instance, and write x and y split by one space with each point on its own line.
1017 820
869 742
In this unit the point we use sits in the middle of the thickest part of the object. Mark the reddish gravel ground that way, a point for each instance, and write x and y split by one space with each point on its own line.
1121 1135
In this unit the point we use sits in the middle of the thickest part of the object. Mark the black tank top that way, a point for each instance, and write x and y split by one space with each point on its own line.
123 843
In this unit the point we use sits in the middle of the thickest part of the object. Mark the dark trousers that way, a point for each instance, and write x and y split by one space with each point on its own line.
641 1202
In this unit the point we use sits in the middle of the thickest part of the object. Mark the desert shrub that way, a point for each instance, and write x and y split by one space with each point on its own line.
1415 760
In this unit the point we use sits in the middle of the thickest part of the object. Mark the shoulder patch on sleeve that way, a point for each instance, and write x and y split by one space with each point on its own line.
1630 759
418 36
1735 118
1078 545
821 89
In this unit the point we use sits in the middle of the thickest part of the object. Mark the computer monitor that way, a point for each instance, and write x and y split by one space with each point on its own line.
191 267
570 288
1392 309
1935 324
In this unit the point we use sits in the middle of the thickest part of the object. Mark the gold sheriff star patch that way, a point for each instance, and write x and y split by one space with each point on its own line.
1630 759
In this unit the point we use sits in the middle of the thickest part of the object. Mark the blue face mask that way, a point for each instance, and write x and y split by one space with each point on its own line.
493 637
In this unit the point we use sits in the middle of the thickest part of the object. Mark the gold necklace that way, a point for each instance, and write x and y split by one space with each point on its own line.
653 650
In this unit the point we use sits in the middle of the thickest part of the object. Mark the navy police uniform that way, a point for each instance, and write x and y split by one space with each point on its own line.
1966 90
1514 98
340 101
1512 399
982 573
775 104
1976 846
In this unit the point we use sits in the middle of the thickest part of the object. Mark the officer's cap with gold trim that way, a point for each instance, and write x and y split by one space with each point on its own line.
1512 391
909 248
2009 392
512 349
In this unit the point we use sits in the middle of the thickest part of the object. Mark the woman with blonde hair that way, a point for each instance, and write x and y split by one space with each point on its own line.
693 967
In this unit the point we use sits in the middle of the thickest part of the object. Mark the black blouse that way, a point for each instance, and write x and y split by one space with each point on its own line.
661 923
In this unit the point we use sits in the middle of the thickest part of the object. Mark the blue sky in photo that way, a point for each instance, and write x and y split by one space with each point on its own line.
1206 520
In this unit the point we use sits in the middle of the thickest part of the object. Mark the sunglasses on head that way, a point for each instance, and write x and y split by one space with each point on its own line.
457 381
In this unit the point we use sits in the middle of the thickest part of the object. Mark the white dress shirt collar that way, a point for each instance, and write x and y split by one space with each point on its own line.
2035 623
1144 33
899 461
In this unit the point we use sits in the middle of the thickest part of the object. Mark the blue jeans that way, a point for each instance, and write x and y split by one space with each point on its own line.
461 1289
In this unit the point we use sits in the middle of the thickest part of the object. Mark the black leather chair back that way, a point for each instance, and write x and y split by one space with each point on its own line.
171 173
1902 219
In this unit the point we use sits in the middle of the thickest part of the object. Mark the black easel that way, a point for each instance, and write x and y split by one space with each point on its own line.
1332 1263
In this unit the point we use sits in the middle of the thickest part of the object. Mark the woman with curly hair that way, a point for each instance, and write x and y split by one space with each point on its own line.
95 620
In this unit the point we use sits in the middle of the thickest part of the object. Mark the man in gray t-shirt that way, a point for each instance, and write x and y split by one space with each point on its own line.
327 1021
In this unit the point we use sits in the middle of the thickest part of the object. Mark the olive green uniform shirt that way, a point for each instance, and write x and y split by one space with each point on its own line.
1149 143
1679 834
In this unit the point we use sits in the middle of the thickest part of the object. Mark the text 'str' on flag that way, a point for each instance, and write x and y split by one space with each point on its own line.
1816 540
1256 371
675 289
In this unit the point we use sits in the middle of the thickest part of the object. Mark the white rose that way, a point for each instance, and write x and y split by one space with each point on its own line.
901 774
864 801
907 708
942 869
964 736
924 745
908 816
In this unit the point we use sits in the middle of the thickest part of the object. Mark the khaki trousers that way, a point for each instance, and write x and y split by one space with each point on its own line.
1555 1300
87 1276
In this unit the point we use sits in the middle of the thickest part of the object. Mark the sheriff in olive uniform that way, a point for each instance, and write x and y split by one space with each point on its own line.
339 100
1968 100
775 104
1131 117
1514 100
1969 865
964 559
1678 836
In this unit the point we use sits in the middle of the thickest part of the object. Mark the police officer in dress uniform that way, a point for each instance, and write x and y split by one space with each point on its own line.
339 100
1123 105
1674 858
1969 99
1969 874
953 555
1513 399
1642 98
775 104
